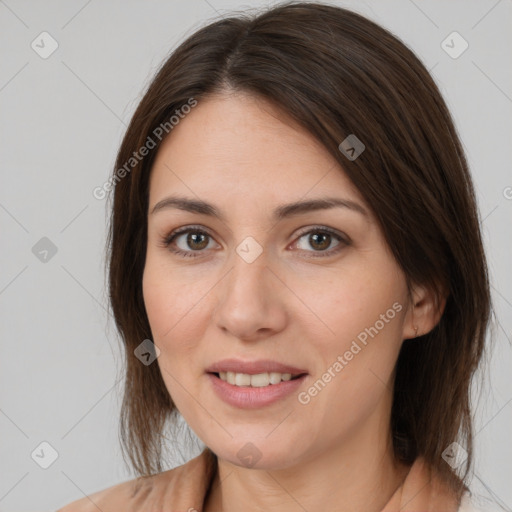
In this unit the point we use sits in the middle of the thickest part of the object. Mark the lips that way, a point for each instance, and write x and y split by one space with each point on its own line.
247 397
254 367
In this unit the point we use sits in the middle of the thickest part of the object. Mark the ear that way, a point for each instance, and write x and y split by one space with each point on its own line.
425 311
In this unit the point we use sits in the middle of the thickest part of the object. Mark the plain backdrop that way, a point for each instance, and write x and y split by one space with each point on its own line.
62 119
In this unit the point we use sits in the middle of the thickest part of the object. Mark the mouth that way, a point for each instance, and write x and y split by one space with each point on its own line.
257 380
255 390
256 374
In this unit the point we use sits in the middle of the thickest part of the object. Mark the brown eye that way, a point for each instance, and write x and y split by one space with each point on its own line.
191 245
320 240
196 240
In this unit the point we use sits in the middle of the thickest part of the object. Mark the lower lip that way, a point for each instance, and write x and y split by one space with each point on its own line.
247 397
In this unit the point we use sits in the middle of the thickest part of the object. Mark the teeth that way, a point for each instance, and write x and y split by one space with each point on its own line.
256 381
242 379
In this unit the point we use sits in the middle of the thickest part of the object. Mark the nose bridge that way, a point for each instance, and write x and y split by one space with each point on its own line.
247 280
247 302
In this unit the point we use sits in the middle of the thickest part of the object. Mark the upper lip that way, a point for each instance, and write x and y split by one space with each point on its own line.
253 367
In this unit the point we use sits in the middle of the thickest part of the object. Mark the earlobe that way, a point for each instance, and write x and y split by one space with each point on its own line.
427 307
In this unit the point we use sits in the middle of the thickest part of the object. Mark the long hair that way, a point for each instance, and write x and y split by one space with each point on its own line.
336 73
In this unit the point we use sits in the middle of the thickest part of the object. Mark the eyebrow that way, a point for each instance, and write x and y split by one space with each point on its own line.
281 212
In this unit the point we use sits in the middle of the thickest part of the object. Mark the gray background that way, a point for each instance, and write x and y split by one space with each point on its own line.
62 119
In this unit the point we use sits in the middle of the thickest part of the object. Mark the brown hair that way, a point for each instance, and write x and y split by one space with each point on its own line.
336 73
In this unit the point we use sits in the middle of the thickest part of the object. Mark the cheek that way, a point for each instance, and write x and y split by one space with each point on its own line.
337 306
170 298
171 313
159 301
361 315
176 307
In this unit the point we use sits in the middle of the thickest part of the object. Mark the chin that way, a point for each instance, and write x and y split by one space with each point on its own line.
258 453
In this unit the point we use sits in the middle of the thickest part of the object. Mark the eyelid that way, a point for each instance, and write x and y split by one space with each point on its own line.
167 240
319 227
342 238
343 241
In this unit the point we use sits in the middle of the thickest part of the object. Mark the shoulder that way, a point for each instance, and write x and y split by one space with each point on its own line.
119 495
126 496
184 484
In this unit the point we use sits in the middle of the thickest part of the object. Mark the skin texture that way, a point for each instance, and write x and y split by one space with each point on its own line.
333 453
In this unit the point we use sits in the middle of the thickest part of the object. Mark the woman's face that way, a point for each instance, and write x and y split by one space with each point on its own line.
253 285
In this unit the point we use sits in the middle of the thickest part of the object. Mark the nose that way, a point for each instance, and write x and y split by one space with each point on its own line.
250 300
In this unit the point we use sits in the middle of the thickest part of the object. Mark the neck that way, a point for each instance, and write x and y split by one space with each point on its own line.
359 474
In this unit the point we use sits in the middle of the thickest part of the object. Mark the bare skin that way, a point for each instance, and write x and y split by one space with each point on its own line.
302 301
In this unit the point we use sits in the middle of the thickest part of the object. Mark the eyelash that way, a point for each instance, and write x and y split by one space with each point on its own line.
169 239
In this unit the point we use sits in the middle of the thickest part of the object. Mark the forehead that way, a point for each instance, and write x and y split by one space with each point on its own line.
241 146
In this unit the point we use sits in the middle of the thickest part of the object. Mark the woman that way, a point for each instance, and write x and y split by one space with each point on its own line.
294 234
